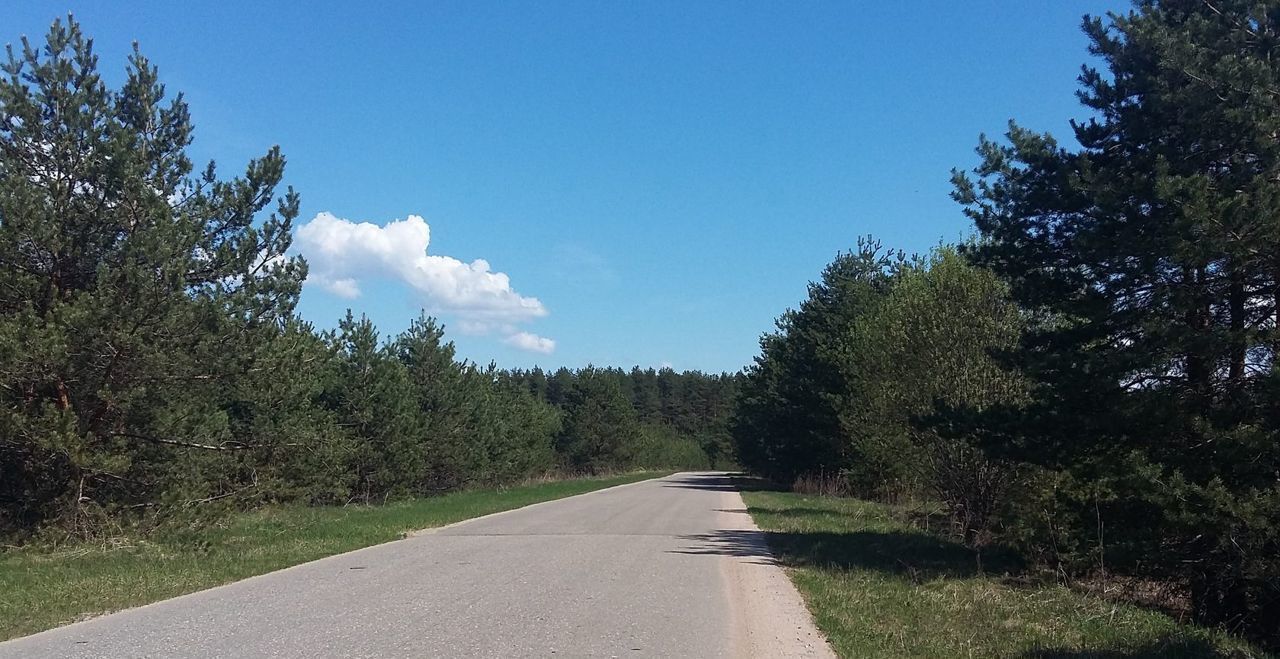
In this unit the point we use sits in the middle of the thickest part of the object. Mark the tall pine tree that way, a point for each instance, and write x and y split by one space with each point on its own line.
130 290
1151 258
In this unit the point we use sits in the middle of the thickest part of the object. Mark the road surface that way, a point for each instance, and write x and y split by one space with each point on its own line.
671 567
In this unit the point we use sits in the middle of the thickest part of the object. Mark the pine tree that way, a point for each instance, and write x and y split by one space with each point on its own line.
441 388
1151 260
789 405
600 425
371 394
130 290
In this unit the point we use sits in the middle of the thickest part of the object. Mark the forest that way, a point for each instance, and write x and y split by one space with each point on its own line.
1091 379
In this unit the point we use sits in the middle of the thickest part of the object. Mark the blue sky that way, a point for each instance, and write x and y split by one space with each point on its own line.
656 180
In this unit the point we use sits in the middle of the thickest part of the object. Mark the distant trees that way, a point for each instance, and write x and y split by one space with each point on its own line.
152 369
599 423
645 417
1093 379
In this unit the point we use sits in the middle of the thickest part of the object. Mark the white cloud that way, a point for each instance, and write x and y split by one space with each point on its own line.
346 288
531 342
479 328
342 254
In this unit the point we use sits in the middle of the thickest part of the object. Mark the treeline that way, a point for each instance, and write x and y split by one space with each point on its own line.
1093 379
153 371
641 417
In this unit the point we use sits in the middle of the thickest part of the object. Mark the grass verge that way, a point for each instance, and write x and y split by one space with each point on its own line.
879 587
42 588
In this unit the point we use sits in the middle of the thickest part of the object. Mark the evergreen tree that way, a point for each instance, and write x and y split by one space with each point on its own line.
131 292
1150 260
789 406
526 429
371 394
600 426
646 396
444 396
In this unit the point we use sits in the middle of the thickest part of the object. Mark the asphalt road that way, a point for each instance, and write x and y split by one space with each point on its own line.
670 567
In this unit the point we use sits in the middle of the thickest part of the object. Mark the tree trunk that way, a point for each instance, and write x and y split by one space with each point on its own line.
1236 307
1275 330
1199 370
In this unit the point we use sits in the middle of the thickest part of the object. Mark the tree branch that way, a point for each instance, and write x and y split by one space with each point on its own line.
225 446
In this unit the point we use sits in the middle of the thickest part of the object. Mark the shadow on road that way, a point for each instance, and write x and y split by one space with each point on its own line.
709 482
722 482
741 543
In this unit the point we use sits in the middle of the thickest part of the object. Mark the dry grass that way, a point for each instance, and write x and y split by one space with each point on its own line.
821 484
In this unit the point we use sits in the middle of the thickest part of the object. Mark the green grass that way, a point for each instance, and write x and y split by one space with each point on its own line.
42 588
879 587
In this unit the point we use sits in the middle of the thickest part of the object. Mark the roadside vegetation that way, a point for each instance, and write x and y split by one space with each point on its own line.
45 587
1090 381
880 585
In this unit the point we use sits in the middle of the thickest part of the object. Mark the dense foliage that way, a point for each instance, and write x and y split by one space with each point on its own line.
1093 379
788 421
152 368
895 341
